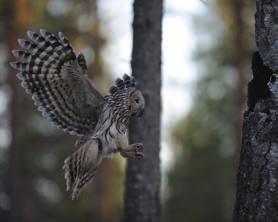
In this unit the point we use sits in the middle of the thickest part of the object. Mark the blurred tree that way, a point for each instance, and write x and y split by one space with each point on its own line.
142 190
201 182
257 179
240 65
21 195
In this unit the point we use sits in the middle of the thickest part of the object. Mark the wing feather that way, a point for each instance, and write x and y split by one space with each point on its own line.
50 71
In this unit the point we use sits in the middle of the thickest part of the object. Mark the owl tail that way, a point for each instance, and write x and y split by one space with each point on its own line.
80 168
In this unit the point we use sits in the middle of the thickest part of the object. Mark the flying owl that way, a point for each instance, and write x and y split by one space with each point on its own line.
57 79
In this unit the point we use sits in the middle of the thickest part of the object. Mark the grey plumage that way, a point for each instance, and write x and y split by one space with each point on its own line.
58 82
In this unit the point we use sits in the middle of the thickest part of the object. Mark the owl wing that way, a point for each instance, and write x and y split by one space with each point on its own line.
57 79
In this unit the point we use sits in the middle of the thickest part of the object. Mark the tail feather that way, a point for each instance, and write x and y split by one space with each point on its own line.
80 183
80 168
68 173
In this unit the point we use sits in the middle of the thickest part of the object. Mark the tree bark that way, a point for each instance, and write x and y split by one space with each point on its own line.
142 194
257 182
267 32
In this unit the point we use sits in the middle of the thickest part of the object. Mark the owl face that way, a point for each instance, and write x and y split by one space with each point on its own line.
136 103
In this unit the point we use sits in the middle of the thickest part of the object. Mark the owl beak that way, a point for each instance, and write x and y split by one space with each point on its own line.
141 113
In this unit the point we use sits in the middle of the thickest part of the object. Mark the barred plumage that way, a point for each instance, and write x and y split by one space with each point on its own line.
80 168
58 82
49 70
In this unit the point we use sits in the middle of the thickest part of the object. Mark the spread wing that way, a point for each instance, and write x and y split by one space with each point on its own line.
57 79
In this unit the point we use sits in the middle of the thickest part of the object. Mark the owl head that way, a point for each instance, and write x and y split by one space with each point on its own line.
125 89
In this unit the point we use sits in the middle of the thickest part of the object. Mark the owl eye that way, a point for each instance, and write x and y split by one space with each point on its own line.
136 100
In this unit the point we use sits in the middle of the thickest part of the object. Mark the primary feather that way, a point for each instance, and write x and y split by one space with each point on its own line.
58 82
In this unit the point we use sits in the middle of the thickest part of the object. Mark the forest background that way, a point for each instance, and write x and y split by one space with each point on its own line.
206 46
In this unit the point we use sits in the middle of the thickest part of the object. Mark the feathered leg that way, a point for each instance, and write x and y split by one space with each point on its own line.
80 168
130 151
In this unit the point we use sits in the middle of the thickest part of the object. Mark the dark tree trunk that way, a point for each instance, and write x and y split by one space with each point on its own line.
20 183
142 194
240 64
257 182
15 170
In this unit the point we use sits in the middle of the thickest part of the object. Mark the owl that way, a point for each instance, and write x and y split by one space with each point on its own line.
58 82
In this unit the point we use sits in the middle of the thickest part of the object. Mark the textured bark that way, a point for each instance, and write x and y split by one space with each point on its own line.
142 194
267 32
257 182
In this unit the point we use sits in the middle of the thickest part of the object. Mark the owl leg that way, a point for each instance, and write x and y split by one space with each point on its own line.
133 151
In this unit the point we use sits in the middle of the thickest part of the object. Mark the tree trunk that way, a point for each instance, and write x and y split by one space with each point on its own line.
20 183
240 64
257 182
142 194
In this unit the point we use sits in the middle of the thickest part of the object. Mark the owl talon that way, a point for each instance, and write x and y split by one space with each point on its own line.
139 155
138 147
134 152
